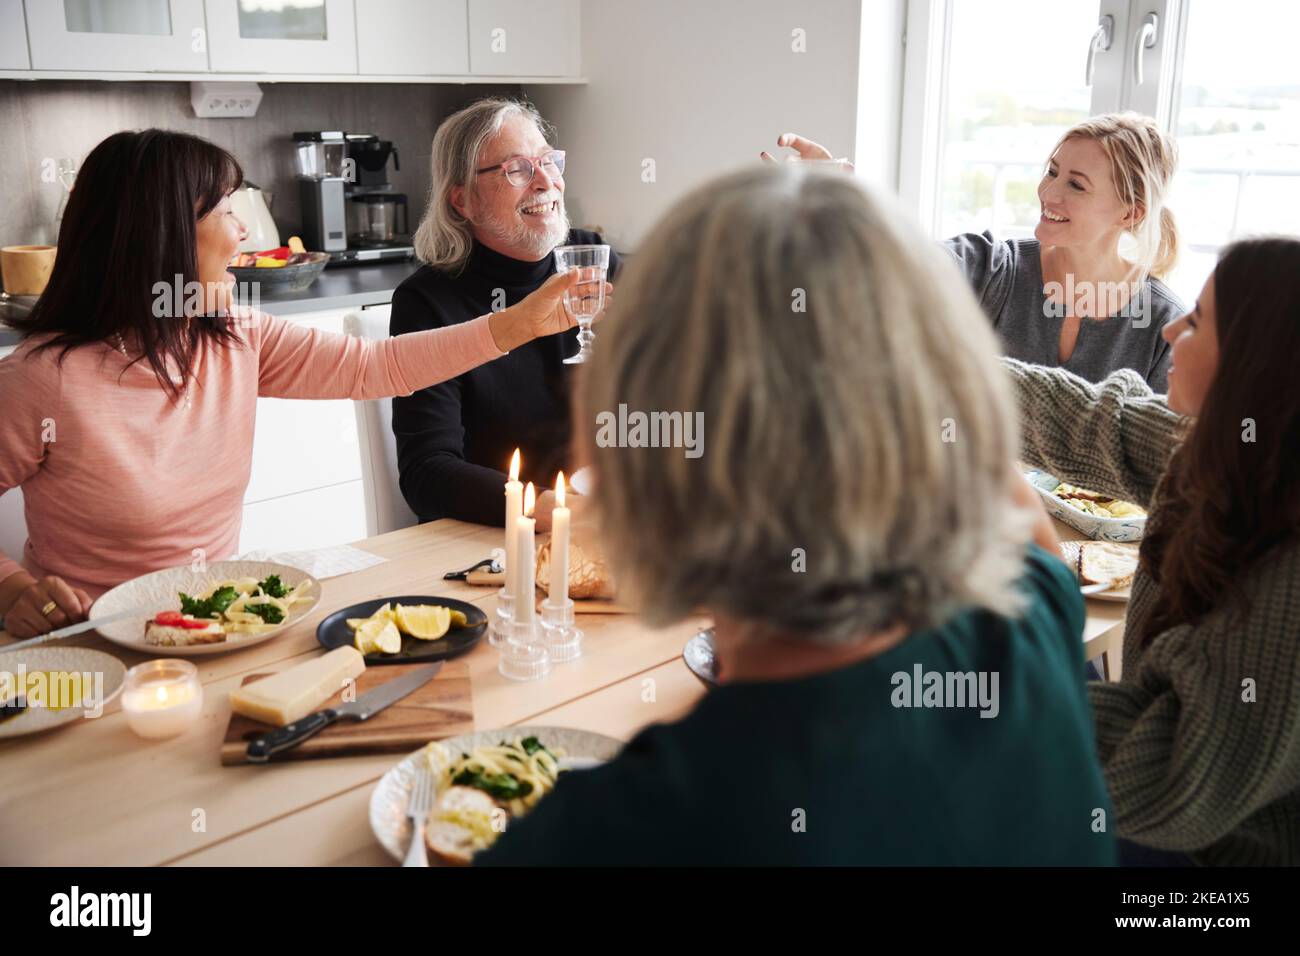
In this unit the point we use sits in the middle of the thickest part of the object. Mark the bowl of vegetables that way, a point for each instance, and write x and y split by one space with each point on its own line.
287 268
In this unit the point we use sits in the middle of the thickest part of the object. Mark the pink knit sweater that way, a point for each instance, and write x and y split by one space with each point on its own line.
120 479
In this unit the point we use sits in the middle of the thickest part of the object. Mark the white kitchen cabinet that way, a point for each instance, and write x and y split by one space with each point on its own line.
302 444
312 519
524 37
413 37
13 40
165 36
304 490
259 36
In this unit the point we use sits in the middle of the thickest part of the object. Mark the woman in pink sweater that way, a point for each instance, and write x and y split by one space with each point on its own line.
129 426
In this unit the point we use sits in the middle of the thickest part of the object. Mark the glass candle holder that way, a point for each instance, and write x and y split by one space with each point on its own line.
501 619
562 638
162 698
523 653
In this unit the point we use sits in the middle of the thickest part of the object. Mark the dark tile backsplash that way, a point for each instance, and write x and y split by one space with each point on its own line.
53 119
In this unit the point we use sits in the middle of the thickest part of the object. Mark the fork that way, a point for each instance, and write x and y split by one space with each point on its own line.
418 810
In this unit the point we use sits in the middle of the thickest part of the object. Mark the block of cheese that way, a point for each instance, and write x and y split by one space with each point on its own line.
293 693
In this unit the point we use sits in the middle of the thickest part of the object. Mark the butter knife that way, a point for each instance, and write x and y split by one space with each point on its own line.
72 629
263 748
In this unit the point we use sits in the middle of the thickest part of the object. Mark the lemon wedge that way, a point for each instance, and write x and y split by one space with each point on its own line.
378 634
458 619
425 621
384 613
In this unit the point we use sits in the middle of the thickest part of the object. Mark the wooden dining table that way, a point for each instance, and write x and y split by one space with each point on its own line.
92 793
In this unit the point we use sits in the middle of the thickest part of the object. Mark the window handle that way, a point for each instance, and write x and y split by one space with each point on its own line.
1143 40
1100 43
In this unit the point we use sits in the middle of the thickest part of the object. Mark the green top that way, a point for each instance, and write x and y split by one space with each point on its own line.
1191 762
829 769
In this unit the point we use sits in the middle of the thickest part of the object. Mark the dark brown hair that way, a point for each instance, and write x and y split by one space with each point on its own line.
130 224
1232 489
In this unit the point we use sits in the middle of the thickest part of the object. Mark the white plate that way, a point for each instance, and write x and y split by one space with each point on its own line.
82 660
1070 552
388 819
160 591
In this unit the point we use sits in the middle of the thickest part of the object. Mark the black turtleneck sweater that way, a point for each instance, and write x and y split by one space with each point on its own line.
454 440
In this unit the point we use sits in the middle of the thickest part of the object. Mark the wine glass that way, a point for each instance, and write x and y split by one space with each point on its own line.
587 297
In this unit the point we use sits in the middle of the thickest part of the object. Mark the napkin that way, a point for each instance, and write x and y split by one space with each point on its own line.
320 563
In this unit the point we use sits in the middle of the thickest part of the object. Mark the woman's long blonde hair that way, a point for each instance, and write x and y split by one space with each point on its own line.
1142 164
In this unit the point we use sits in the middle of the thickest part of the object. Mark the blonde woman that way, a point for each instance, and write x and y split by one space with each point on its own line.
854 529
1068 297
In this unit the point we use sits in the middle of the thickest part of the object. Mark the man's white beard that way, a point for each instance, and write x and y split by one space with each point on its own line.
530 243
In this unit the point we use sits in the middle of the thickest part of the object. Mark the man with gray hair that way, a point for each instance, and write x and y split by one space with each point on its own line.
495 213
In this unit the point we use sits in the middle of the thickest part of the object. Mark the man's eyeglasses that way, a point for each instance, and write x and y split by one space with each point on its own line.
520 170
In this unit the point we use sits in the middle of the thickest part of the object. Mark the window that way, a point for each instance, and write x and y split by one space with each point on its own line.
1005 110
990 85
1237 119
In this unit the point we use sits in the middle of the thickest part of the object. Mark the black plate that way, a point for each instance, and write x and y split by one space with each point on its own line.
334 631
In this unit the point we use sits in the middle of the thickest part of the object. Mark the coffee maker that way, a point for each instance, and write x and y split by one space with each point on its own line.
349 208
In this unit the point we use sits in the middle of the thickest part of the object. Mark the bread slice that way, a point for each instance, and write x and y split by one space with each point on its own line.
1102 561
461 824
165 636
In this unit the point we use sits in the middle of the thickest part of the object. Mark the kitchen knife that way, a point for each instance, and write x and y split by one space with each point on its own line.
263 748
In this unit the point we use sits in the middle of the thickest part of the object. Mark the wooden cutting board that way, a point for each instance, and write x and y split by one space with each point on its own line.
441 708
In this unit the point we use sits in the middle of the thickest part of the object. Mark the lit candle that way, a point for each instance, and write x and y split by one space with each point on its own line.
162 698
514 508
559 589
526 595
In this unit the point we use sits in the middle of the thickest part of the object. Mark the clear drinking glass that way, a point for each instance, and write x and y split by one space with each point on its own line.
585 300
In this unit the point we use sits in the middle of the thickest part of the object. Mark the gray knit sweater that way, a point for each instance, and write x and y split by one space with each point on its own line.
1191 763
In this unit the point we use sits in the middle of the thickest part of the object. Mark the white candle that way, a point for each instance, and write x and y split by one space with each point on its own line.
514 508
162 698
526 596
559 590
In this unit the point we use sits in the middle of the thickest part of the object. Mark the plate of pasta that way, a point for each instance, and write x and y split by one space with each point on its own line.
209 609
482 782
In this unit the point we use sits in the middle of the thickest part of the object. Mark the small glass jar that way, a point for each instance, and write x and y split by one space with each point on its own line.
162 698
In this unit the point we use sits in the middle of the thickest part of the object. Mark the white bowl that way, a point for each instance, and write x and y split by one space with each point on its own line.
1094 526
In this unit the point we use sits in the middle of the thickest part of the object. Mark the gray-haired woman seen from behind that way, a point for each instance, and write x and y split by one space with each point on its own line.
901 667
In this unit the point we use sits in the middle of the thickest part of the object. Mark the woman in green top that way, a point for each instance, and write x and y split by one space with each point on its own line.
1201 738
902 669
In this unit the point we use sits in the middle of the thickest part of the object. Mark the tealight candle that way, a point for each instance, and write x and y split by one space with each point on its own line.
559 589
162 698
526 554
514 509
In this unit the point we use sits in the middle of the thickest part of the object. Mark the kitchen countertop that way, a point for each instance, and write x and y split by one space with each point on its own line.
346 287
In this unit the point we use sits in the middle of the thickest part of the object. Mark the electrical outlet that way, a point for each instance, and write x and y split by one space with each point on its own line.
225 99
